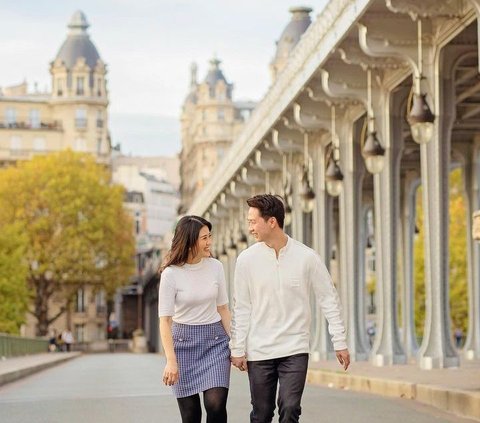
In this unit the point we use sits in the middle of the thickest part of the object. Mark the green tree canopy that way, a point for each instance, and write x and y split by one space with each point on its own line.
457 258
77 230
14 296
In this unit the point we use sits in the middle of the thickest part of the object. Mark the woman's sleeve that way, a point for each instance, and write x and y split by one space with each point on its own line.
222 297
166 296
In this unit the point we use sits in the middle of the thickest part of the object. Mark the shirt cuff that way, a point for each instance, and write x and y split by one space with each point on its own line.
237 352
340 345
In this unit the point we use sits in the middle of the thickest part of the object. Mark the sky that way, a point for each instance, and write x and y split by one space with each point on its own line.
148 46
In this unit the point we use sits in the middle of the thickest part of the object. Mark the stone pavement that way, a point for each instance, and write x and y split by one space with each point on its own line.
15 368
455 390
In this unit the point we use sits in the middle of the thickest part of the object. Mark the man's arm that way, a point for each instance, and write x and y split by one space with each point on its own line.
327 298
240 318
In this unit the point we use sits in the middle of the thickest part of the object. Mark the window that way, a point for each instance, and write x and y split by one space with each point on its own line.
15 143
34 118
221 115
80 334
39 144
81 118
137 222
80 301
80 145
99 119
80 85
59 87
100 302
100 332
99 146
99 87
11 117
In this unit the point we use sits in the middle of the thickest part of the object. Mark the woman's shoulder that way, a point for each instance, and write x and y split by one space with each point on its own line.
214 262
168 272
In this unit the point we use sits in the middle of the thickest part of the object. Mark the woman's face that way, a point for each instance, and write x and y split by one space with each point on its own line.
203 243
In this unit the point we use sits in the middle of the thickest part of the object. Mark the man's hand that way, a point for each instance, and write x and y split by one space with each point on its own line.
343 357
240 363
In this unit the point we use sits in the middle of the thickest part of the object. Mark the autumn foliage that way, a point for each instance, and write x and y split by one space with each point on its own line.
73 231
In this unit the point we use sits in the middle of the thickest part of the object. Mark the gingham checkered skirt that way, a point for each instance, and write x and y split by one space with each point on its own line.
203 358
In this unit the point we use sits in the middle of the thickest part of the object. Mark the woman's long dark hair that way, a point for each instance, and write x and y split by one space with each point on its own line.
185 240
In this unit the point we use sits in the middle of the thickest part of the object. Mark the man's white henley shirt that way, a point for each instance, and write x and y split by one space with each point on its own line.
272 312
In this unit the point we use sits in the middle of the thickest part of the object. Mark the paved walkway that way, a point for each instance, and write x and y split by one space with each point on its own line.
455 390
15 368
127 388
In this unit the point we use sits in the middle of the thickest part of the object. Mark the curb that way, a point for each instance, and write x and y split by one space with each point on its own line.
27 370
461 403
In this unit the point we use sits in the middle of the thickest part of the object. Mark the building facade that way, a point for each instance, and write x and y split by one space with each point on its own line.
378 98
210 121
152 199
73 115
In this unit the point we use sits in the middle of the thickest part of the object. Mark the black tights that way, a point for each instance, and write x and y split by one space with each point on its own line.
215 401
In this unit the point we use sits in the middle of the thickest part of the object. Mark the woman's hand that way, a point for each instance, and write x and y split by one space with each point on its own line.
170 374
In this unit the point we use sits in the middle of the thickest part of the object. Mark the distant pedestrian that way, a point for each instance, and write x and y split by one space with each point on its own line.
195 323
52 341
67 339
458 337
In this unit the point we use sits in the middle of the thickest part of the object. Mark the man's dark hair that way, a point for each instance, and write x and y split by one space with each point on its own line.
269 206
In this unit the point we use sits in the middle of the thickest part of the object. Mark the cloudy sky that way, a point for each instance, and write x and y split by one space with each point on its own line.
148 46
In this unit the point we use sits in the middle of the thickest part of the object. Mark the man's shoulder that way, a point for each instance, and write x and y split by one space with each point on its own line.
302 248
305 251
249 252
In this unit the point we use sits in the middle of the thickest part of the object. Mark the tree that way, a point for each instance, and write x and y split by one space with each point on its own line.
77 230
13 274
457 258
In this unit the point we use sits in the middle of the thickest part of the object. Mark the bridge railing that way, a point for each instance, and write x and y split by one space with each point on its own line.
13 346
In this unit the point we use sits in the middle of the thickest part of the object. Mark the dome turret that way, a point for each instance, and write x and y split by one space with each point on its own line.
290 37
214 76
78 43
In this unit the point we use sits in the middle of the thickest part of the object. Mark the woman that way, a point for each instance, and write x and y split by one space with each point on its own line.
195 323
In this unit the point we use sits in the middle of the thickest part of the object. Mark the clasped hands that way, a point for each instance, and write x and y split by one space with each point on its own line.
240 363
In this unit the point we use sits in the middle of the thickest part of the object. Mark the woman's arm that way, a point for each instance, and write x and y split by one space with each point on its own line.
170 374
226 317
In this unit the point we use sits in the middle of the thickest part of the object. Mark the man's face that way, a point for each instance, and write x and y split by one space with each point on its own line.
257 225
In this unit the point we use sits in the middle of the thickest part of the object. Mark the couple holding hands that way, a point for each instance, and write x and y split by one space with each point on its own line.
269 333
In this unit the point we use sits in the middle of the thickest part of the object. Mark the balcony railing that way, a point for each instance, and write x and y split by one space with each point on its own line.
54 125
13 346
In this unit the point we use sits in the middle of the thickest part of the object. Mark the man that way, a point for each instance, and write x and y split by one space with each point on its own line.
271 315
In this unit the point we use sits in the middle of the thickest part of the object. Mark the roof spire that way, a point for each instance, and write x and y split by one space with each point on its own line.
78 23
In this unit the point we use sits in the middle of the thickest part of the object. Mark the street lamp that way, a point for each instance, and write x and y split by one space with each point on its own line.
421 119
420 116
287 192
307 195
333 178
333 173
373 153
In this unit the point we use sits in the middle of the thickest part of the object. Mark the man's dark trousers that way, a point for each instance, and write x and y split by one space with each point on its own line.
290 373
